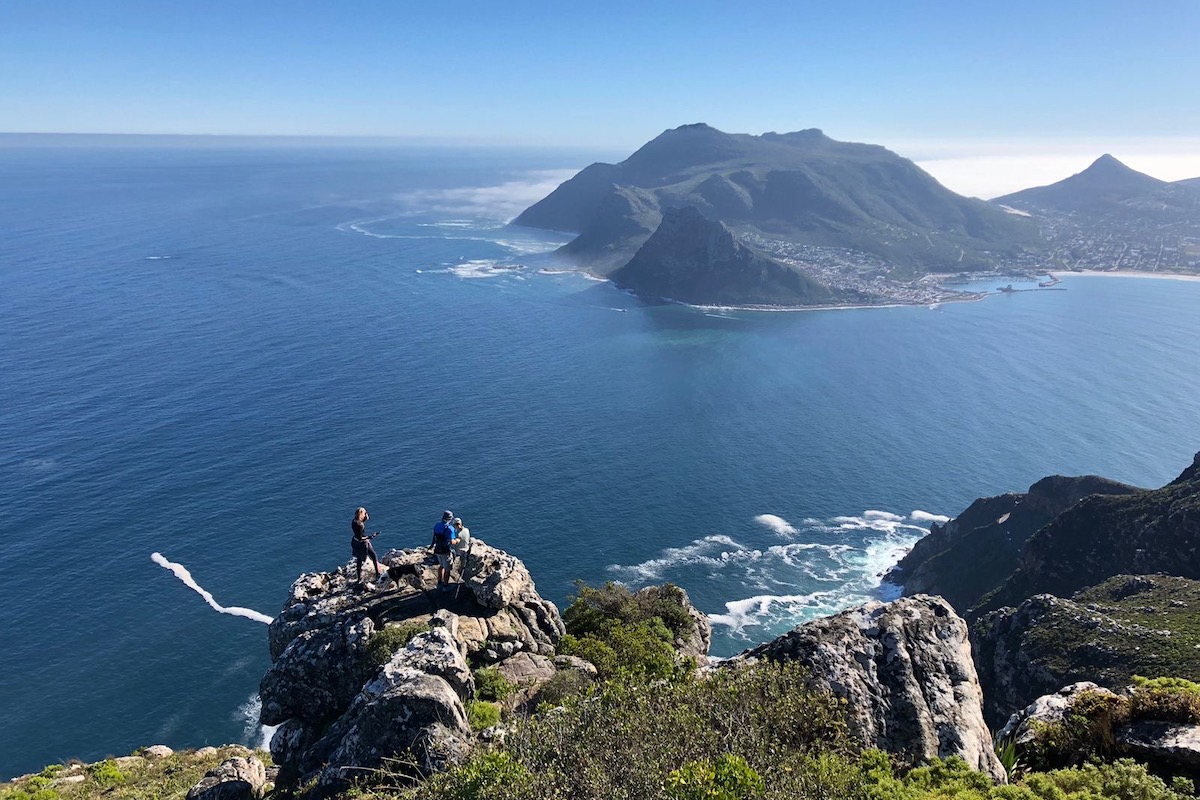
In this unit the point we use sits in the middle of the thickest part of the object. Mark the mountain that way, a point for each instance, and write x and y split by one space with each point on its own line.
1190 183
977 550
1107 183
693 259
792 189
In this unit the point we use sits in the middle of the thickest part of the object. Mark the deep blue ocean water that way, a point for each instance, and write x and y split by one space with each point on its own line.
217 354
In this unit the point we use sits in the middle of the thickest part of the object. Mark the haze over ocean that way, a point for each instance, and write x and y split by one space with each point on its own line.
217 354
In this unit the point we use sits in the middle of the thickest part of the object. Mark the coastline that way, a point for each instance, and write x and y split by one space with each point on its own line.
967 297
963 297
1161 276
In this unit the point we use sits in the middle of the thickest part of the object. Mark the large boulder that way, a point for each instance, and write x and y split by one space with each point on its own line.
905 671
233 779
305 683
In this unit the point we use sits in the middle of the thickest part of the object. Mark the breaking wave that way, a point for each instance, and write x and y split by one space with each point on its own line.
254 733
823 567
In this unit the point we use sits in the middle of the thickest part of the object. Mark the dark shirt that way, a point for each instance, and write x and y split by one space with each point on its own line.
359 527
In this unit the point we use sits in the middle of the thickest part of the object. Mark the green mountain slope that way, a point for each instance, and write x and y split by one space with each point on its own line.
801 187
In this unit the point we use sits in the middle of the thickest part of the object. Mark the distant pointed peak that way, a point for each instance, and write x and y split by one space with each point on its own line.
1107 161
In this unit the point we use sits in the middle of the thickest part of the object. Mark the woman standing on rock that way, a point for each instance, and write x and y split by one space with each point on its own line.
360 543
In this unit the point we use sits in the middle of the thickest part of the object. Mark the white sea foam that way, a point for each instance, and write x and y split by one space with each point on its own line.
713 551
182 573
254 733
825 566
157 258
777 524
751 611
925 516
449 223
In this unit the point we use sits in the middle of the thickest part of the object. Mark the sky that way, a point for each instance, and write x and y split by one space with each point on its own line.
942 82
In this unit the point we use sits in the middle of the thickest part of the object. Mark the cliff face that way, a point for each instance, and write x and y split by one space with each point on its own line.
905 671
1107 535
976 551
693 259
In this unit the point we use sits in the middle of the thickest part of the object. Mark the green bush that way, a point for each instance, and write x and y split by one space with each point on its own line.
482 714
953 779
491 685
1166 699
565 684
625 739
106 774
489 776
731 778
593 608
385 642
628 650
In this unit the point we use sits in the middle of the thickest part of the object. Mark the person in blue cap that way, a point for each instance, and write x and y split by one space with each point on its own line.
444 539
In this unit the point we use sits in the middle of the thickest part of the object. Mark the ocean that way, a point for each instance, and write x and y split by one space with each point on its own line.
216 354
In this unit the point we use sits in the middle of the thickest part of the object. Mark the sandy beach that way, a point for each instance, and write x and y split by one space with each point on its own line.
1165 276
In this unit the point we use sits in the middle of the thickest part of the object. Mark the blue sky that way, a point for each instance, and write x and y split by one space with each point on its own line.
610 74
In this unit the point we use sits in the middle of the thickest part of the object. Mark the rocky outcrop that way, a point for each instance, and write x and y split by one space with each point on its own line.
341 709
905 671
1128 625
1048 709
973 553
1167 746
234 779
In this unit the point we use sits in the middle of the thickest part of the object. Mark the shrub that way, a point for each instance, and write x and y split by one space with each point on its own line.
1166 699
482 714
564 684
639 650
491 685
488 776
386 641
592 608
625 739
731 778
106 774
1087 730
